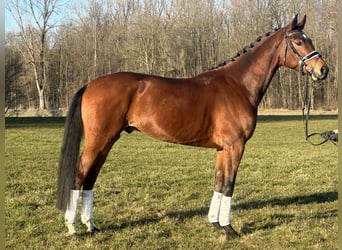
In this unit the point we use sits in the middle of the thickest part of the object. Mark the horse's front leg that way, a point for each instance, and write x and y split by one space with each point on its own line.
227 164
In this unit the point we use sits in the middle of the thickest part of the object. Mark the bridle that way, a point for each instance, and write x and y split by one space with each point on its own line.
302 59
327 135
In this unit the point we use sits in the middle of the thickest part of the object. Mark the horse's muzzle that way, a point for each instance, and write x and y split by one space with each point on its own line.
321 75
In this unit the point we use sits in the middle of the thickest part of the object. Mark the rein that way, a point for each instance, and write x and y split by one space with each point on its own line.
330 135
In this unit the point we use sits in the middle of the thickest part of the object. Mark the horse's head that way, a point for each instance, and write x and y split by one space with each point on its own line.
300 53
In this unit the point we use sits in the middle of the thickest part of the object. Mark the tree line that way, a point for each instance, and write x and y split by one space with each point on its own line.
59 47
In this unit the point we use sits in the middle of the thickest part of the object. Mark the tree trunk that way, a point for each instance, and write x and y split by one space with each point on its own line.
41 99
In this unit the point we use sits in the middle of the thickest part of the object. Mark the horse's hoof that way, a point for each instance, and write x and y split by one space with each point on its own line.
91 228
230 232
217 226
94 230
71 229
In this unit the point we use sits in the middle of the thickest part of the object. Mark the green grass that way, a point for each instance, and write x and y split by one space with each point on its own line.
154 195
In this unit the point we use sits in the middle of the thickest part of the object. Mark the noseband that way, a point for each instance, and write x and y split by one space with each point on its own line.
302 60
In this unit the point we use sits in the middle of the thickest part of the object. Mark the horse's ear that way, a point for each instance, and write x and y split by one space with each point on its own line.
294 22
301 25
298 26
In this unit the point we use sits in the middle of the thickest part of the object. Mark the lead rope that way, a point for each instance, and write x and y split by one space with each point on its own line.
330 135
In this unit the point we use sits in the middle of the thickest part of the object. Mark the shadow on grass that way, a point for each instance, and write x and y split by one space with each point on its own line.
296 200
274 221
247 228
277 118
179 215
37 122
280 219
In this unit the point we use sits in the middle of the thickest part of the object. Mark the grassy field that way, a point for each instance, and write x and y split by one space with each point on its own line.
154 195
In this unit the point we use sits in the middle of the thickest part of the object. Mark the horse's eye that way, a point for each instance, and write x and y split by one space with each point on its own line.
299 43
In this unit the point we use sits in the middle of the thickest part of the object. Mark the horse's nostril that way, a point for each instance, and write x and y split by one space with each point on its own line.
324 73
324 70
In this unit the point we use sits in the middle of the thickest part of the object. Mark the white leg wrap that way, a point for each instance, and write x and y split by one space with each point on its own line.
87 205
71 211
214 209
225 207
87 210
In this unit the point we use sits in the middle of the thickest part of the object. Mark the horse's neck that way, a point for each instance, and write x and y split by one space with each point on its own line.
257 67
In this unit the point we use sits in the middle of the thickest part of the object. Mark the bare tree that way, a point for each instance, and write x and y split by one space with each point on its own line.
34 21
14 69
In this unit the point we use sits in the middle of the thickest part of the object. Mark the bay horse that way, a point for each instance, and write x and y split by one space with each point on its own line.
215 109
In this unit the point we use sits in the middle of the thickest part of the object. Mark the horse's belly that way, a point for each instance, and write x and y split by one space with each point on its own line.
175 131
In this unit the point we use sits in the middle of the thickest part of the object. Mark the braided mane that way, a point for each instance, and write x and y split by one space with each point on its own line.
244 50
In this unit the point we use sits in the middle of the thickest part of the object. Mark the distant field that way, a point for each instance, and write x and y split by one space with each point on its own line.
155 195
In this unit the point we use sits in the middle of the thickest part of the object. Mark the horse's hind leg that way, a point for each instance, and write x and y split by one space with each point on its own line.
89 165
91 162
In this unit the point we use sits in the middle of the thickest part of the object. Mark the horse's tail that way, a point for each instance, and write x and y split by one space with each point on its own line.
70 151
